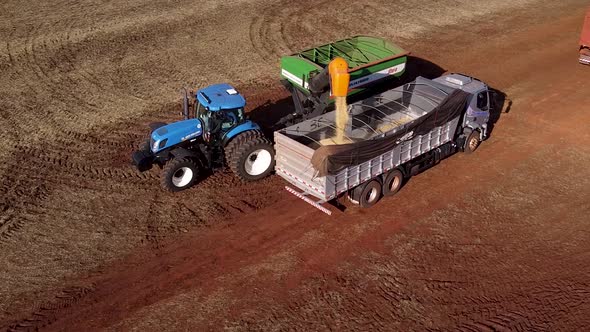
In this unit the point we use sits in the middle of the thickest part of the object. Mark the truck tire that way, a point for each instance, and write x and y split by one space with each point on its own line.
472 142
393 182
252 158
367 194
179 174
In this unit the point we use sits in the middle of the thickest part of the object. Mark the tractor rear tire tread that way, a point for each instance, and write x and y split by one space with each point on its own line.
239 153
239 140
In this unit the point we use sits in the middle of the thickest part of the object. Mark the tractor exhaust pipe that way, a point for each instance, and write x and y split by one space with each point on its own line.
185 103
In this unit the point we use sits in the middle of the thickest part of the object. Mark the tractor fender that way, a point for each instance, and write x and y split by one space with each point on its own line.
246 126
179 152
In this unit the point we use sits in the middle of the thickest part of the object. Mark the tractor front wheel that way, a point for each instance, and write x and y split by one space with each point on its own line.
179 174
252 158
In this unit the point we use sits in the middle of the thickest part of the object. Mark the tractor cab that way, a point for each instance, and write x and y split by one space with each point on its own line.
220 107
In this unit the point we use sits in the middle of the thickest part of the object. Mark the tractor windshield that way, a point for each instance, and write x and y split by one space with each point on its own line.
231 117
222 120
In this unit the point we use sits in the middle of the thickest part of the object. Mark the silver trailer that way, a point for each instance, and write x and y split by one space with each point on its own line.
389 114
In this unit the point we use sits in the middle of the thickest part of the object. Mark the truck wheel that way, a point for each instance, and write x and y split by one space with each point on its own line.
179 174
393 182
367 194
472 142
253 158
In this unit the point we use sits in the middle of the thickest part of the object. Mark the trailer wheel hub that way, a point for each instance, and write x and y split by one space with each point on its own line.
473 143
395 183
182 176
258 162
372 195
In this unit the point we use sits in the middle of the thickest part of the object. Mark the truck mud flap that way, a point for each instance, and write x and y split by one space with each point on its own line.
303 196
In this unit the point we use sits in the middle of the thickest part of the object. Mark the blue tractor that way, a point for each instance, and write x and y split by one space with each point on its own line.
215 132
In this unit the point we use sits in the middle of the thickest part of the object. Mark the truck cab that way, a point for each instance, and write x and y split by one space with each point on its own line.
478 112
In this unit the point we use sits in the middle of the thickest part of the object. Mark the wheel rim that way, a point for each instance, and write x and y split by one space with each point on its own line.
473 143
182 177
258 162
372 195
394 183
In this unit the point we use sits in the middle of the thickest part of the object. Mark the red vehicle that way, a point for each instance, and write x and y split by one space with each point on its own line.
585 41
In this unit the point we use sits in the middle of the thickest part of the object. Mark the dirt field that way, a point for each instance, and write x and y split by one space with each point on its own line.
494 241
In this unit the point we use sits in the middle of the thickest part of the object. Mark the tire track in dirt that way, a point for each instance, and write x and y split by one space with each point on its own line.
88 160
46 314
60 90
221 195
487 277
52 64
8 223
59 161
267 31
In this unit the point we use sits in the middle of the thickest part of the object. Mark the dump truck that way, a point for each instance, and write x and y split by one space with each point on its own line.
389 137
584 52
306 76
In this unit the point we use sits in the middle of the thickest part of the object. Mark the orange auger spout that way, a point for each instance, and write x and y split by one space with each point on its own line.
339 77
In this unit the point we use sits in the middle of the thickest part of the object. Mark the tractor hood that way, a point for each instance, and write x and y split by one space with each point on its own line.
175 133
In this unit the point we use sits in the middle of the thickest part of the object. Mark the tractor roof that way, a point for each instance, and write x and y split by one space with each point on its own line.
220 96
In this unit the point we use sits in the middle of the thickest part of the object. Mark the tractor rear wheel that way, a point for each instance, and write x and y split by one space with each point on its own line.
179 174
251 157
239 140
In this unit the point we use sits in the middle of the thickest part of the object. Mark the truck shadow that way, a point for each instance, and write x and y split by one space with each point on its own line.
499 103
